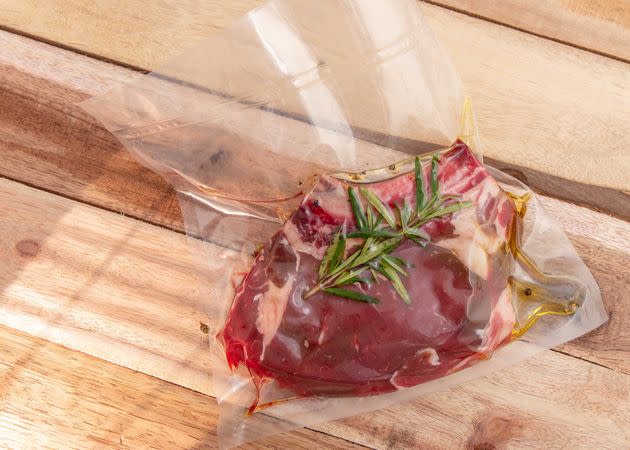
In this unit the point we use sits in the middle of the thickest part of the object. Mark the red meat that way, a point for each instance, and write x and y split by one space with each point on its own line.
460 309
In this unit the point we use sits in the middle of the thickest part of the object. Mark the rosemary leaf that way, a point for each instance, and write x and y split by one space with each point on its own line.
400 261
435 184
340 250
355 280
405 214
367 244
420 190
344 265
431 205
453 207
397 283
352 295
374 275
357 209
383 210
417 233
417 241
378 221
374 234
328 256
347 277
377 250
395 264
371 219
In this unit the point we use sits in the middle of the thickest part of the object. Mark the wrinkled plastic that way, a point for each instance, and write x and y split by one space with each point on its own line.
244 123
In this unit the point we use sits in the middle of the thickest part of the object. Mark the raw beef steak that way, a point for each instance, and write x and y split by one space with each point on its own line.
460 309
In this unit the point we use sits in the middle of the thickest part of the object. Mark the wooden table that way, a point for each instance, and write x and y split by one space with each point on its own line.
100 346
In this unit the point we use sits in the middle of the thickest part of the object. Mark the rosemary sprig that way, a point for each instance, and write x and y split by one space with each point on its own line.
352 295
382 232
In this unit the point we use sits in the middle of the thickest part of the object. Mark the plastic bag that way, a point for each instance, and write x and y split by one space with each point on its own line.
244 124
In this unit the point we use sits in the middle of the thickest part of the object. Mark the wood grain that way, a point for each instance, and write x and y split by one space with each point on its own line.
60 161
133 32
123 290
543 106
603 243
107 285
103 283
116 32
599 25
53 398
531 119
46 140
550 402
51 152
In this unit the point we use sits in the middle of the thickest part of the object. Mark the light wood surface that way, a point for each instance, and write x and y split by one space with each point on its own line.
554 113
118 33
603 243
101 283
541 105
54 398
123 290
598 25
88 258
49 142
549 402
115 30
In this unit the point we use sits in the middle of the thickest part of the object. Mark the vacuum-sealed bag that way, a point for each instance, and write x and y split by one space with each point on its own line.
356 250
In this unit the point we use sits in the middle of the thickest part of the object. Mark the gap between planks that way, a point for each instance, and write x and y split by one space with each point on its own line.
96 205
70 48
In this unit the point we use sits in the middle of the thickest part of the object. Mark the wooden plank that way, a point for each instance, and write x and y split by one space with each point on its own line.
552 401
48 141
115 29
603 243
110 286
121 290
545 109
532 120
598 25
591 426
52 398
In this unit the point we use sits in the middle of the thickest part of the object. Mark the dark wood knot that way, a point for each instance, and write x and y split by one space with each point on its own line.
495 432
28 248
